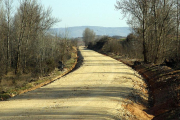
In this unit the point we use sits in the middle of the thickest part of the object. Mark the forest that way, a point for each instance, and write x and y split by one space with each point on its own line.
27 48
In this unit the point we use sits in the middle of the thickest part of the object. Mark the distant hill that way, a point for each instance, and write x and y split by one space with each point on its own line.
78 31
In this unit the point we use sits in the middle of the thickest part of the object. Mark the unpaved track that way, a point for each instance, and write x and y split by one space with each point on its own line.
94 91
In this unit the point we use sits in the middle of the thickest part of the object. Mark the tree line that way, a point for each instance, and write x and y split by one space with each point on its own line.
155 25
26 46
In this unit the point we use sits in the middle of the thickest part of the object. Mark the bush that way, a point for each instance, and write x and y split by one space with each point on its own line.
131 47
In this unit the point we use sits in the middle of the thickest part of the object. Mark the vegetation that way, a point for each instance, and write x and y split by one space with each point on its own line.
155 41
131 47
88 36
27 50
155 24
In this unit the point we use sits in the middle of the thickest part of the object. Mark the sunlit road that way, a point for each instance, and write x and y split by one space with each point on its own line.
94 91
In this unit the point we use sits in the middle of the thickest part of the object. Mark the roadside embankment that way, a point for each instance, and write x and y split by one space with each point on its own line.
164 88
138 102
162 84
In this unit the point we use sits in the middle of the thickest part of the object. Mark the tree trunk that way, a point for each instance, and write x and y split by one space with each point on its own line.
177 35
144 31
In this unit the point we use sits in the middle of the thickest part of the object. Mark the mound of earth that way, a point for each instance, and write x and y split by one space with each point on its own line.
164 87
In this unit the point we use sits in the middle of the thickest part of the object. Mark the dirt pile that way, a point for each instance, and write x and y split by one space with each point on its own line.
137 103
164 89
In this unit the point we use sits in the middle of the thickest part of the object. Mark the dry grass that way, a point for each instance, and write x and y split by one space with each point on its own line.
11 84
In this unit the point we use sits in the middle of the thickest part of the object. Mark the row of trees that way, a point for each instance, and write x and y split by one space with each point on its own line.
131 47
25 44
156 24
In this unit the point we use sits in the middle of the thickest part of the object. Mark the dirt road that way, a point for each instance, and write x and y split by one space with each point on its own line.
94 91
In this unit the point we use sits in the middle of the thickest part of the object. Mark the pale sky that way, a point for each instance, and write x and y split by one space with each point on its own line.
85 13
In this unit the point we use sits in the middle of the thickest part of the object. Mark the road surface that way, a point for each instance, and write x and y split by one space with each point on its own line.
96 90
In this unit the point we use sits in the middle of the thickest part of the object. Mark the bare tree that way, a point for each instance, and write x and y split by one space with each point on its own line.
64 44
138 10
26 46
31 21
153 21
8 12
177 28
2 40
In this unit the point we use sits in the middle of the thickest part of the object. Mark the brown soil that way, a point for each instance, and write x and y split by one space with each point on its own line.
164 86
138 103
138 111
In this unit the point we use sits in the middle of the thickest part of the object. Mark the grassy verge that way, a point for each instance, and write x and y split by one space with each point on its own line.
11 88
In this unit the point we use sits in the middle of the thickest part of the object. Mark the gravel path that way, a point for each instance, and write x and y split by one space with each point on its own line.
96 90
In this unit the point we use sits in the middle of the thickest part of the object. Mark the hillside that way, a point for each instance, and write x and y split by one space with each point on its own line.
77 31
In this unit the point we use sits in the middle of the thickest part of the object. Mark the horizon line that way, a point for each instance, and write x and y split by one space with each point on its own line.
90 26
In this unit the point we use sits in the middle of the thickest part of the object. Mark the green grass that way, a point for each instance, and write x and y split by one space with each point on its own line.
122 39
4 96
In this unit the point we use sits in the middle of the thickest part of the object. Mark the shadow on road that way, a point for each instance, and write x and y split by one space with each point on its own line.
61 113
81 92
79 61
